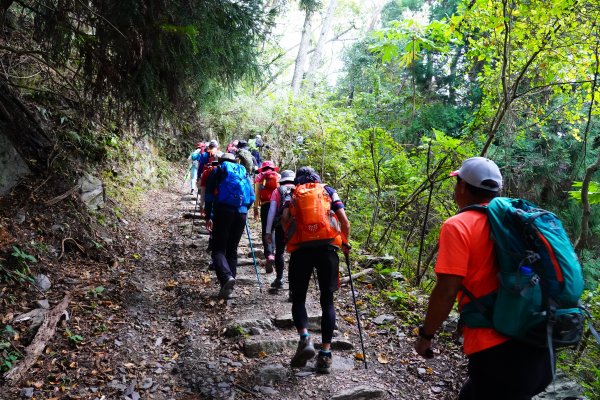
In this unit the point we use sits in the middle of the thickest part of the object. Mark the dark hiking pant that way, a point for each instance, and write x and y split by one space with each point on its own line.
264 214
512 370
326 261
228 227
279 250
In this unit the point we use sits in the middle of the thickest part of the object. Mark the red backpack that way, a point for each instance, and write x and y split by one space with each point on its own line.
268 183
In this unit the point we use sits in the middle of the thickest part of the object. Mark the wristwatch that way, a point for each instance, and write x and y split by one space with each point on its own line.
423 335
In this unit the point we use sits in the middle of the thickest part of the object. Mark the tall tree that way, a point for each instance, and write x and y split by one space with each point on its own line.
317 55
309 7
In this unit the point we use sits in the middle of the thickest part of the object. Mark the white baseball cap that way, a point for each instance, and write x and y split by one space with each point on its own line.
480 172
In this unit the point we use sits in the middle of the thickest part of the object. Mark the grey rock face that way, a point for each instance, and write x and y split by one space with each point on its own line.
270 374
12 166
91 191
42 282
254 347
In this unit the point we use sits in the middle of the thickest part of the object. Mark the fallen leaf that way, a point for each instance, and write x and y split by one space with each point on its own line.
171 283
349 320
38 385
129 365
262 354
383 358
73 364
359 356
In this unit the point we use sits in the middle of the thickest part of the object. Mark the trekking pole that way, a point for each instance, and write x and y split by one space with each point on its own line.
356 310
253 257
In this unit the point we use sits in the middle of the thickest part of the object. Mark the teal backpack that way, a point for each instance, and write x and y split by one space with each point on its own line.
235 189
540 278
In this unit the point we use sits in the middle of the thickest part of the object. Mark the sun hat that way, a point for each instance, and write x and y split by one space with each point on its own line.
480 172
268 164
213 143
287 176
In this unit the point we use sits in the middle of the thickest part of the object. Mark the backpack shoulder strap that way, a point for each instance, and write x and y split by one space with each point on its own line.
474 207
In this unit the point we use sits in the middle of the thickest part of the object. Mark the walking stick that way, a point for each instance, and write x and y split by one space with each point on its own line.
253 257
362 345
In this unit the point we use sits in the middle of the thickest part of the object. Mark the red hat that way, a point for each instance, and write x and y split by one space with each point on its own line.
268 164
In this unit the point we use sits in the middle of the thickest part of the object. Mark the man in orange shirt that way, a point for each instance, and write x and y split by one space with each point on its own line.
499 367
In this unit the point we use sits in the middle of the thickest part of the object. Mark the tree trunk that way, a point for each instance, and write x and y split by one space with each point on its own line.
302 52
315 60
23 130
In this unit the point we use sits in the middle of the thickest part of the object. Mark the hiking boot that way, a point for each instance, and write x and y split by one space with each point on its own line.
305 351
211 267
269 264
277 284
227 288
324 361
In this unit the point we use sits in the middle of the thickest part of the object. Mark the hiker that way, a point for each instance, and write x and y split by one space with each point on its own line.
245 157
204 196
226 217
266 181
232 147
313 204
286 184
195 157
209 155
498 367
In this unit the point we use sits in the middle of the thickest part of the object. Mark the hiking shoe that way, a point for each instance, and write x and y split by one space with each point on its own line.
305 351
324 361
227 288
211 267
277 284
269 264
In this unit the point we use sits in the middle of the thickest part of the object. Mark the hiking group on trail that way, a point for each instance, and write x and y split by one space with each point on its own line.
518 302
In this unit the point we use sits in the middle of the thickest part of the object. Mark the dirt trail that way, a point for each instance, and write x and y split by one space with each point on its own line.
193 344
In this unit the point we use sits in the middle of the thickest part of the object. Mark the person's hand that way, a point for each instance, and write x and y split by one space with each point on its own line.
269 238
346 248
209 225
423 347
256 213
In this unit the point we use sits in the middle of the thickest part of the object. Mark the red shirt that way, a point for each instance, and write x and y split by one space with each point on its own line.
466 249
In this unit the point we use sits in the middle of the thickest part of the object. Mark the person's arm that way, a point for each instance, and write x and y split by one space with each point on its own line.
441 301
344 224
257 195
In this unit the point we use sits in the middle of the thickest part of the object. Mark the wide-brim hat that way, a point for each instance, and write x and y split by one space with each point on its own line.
480 172
268 164
287 176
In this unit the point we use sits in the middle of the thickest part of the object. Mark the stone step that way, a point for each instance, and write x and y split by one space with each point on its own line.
255 347
188 197
286 321
248 327
360 392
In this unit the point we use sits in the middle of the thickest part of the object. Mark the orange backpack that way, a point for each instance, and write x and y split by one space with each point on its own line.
268 184
313 223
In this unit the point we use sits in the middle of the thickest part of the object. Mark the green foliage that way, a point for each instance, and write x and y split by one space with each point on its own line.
582 362
17 270
593 192
73 338
8 354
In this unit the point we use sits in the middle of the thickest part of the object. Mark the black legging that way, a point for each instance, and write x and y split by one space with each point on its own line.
279 250
326 261
228 228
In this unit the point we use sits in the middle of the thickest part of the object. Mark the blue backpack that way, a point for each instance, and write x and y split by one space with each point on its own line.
540 278
235 189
